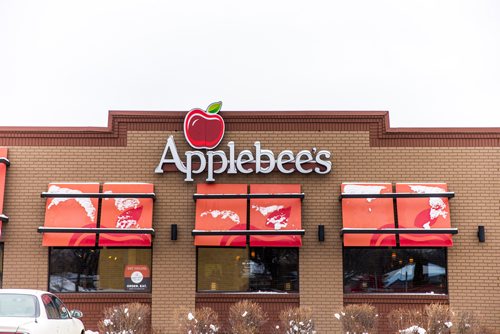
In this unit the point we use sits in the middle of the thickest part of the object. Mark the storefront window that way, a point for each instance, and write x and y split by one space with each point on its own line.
248 269
100 270
396 270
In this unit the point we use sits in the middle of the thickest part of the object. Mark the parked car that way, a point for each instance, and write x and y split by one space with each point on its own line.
36 312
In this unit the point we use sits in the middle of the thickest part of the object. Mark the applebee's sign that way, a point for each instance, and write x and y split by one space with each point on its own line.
205 129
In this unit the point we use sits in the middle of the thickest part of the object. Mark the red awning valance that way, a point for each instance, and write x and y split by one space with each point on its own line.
68 212
129 213
426 213
274 213
371 212
423 218
221 214
4 163
71 215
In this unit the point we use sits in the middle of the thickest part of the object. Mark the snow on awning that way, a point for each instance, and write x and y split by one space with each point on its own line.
423 218
427 213
71 215
128 213
68 212
222 212
275 214
368 212
4 163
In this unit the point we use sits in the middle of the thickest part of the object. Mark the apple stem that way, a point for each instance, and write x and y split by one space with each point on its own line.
214 108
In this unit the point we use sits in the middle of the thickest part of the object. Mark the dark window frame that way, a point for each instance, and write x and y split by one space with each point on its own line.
445 249
99 248
248 252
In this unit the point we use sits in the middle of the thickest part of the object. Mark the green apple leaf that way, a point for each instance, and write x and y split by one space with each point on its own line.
214 108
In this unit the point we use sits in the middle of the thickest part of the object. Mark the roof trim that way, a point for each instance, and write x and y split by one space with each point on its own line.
374 122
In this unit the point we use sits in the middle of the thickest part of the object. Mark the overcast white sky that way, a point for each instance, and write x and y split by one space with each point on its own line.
429 62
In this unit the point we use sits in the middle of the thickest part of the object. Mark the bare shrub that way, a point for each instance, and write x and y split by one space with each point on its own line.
468 323
358 319
403 320
202 321
130 318
296 320
438 318
246 317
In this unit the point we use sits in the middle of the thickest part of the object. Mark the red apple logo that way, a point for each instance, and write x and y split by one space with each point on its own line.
204 129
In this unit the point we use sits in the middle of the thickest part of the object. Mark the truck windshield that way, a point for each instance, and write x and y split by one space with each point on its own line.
17 305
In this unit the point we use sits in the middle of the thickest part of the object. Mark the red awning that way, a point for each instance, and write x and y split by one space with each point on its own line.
71 212
126 213
424 212
4 162
71 215
275 214
374 213
221 214
423 218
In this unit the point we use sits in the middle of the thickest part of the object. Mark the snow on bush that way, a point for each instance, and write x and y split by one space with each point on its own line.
468 323
203 321
358 319
130 318
439 319
297 320
413 330
246 317
406 321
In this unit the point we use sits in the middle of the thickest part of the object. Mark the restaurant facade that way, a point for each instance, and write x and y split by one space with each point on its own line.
205 208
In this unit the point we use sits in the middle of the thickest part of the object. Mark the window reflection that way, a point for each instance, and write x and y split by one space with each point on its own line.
247 269
97 269
385 270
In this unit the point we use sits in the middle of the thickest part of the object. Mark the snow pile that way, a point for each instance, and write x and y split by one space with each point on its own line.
85 203
300 327
265 210
438 207
276 215
224 214
413 330
363 189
